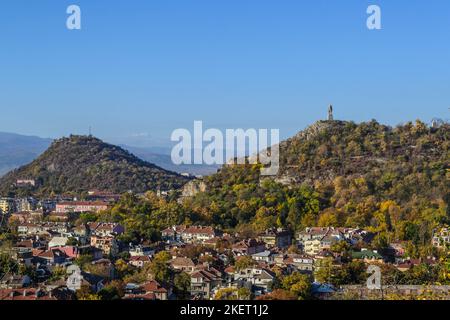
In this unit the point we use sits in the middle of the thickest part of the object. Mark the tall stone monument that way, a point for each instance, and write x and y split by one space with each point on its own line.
330 113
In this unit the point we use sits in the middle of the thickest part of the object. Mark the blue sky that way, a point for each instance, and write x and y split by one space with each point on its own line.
139 69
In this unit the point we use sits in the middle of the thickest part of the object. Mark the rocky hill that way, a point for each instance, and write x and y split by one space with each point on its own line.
81 163
329 149
343 174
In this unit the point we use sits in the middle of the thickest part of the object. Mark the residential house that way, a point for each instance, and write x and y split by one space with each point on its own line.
81 206
259 278
368 256
441 238
317 233
15 282
248 247
266 256
74 252
173 234
139 261
160 292
105 229
297 262
203 284
276 237
198 234
26 294
25 204
315 240
108 244
410 263
136 251
53 256
182 264
94 282
58 242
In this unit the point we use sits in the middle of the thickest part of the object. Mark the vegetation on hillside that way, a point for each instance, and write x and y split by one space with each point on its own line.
391 181
81 163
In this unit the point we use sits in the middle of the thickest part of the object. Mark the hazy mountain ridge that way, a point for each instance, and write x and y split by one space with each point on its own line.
164 160
17 150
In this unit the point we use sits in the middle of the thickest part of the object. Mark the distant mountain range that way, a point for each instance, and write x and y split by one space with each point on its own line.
17 150
161 157
78 164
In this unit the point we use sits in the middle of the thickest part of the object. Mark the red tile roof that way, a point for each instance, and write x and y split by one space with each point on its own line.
24 294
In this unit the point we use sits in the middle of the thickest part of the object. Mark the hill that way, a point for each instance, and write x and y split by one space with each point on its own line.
81 163
392 181
17 150
339 173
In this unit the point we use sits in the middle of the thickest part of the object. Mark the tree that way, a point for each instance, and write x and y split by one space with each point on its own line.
159 267
182 285
82 260
6 264
244 294
113 291
244 262
72 242
123 268
85 293
226 294
327 219
299 284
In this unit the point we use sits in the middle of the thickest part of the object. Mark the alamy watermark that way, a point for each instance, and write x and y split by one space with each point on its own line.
374 280
239 146
74 277
73 22
374 19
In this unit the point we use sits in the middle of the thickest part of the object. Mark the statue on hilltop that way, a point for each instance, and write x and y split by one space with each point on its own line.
330 113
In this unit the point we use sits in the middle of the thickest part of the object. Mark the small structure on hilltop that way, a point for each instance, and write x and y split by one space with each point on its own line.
330 113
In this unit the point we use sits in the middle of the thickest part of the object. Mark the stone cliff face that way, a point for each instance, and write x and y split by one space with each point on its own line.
191 188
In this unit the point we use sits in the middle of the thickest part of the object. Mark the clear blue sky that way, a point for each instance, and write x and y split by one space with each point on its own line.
139 69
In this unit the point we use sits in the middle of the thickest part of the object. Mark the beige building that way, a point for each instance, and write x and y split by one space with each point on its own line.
6 205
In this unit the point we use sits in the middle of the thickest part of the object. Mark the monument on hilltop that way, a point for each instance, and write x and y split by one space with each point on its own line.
330 113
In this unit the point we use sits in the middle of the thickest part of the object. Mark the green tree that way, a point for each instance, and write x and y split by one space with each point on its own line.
299 284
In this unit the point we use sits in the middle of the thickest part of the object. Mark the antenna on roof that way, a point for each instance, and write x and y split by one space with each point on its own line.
90 131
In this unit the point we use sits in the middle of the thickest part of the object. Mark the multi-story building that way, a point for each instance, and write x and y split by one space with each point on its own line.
441 238
81 206
280 238
25 204
6 205
203 284
107 244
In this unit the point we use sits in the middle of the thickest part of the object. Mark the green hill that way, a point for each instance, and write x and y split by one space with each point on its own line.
390 179
81 163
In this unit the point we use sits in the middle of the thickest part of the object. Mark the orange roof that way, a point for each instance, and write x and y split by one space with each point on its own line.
24 294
